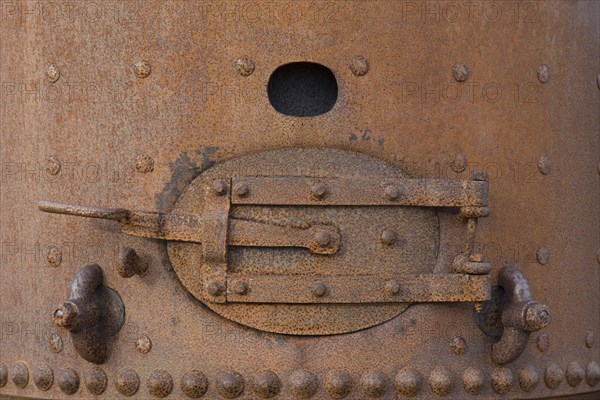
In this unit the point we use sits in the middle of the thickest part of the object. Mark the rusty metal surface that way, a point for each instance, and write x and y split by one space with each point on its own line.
127 104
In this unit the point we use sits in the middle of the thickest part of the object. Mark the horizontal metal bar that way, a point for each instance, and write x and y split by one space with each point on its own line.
360 191
359 289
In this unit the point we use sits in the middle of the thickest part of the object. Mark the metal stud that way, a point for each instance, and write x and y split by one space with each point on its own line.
441 381
266 384
460 72
230 384
359 66
128 382
56 343
54 256
592 374
3 375
374 383
543 255
219 188
543 342
388 237
391 192
501 380
143 344
241 189
43 377
142 69
392 287
458 345
160 383
53 73
244 66
323 238
303 384
543 73
528 378
240 287
68 381
194 384
458 163
144 164
20 375
53 166
318 289
589 339
408 382
95 381
473 380
544 165
215 288
574 374
338 384
318 190
553 375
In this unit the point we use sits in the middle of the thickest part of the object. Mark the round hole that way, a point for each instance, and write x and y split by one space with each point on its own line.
302 89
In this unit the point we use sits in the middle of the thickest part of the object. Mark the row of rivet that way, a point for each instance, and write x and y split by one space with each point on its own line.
304 384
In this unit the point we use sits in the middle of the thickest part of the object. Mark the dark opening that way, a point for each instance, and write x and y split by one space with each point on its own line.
302 89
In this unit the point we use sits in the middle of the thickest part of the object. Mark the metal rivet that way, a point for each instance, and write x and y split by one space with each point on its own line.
54 256
338 384
194 384
458 163
53 166
20 375
592 374
441 381
458 345
323 238
359 65
3 375
543 342
95 381
240 287
553 375
589 339
43 377
544 165
574 374
374 383
388 237
473 380
392 287
53 73
408 382
160 383
219 188
244 66
128 382
266 384
143 344
528 378
56 343
501 380
543 255
215 288
130 263
543 73
318 289
303 384
460 72
144 164
142 69
241 189
318 190
230 384
391 192
68 381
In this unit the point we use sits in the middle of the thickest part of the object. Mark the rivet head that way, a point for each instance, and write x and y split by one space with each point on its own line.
473 380
553 375
68 381
143 344
144 164
142 69
241 189
43 377
592 373
266 384
543 342
230 384
128 382
3 375
458 163
543 255
408 382
338 384
303 384
53 166
392 287
460 72
56 343
574 374
160 383
20 375
388 237
54 256
318 289
528 378
323 238
219 188
501 380
543 73
359 66
374 383
440 381
53 73
458 345
589 339
215 288
544 165
194 384
244 66
240 287
391 192
318 190
95 381
537 316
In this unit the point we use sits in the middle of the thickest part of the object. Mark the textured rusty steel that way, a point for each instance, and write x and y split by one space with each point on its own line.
436 143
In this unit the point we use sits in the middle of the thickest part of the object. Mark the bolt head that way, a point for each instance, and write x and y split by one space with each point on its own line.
318 289
392 287
319 190
142 69
245 66
537 317
219 188
240 287
391 192
359 65
388 237
241 189
460 72
215 288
